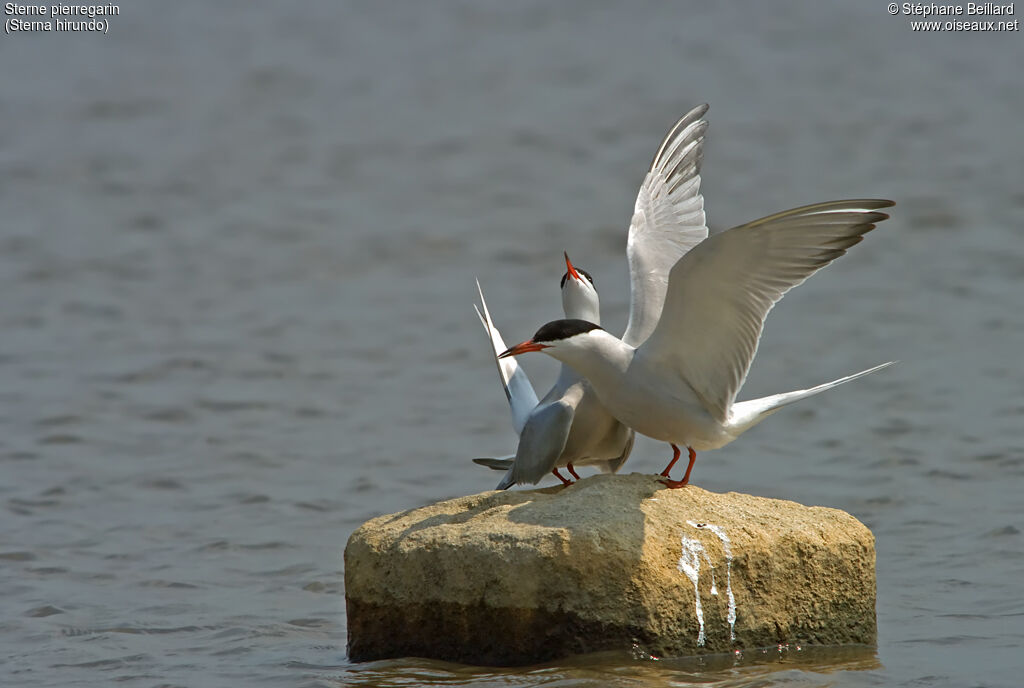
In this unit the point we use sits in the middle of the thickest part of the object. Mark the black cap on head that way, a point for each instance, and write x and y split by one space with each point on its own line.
582 272
563 329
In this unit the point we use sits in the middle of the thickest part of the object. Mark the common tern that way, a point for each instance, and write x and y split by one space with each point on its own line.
679 384
569 426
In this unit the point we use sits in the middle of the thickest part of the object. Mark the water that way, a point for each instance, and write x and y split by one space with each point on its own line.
237 259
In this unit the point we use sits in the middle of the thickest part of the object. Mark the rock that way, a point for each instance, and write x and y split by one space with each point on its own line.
612 562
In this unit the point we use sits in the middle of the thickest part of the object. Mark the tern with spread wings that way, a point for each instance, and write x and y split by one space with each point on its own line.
678 381
570 427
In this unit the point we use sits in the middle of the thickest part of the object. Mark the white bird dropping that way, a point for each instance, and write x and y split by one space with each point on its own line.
696 549
726 545
689 563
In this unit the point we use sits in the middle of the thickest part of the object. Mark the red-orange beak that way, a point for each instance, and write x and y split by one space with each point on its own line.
522 348
572 271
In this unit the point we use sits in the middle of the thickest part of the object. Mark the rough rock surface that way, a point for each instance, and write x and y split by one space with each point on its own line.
612 562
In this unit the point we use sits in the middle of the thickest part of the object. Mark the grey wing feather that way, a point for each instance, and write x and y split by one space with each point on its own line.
613 465
541 443
506 482
496 464
721 291
668 221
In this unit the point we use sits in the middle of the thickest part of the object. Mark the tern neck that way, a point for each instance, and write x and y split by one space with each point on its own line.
600 357
580 302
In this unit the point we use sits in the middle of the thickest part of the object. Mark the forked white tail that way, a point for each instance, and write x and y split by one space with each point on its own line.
746 414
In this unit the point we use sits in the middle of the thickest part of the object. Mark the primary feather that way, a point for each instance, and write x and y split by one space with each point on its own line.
721 291
668 221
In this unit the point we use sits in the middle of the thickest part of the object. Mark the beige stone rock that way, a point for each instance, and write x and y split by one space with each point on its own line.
612 562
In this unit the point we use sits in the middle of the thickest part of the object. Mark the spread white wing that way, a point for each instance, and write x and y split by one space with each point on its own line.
668 221
720 292
521 397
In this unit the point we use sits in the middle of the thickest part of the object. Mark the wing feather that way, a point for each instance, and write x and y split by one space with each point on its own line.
613 465
522 398
541 442
720 293
668 221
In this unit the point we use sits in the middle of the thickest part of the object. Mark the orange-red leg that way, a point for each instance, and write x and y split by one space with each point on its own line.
675 457
686 478
565 481
573 471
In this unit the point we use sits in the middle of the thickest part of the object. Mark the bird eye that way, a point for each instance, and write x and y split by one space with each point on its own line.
582 272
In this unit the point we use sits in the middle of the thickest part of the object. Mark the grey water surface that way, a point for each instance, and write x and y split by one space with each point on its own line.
237 250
